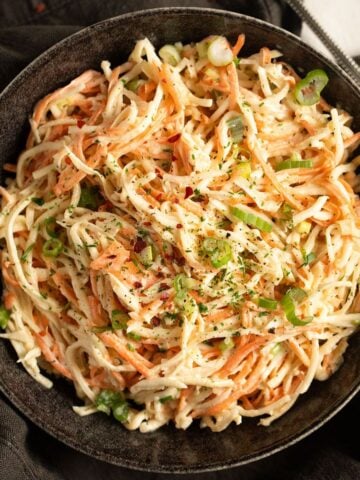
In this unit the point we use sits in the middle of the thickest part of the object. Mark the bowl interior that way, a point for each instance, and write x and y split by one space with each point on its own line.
168 449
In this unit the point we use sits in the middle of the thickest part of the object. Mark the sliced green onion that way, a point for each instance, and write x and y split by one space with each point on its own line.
182 282
105 328
240 152
212 73
276 349
169 54
119 319
307 91
38 201
90 197
52 247
244 169
26 253
120 411
307 257
203 46
185 302
251 219
219 52
106 399
4 317
236 128
291 163
297 294
179 283
226 344
288 303
286 211
147 256
267 303
133 85
218 250
165 399
134 336
50 227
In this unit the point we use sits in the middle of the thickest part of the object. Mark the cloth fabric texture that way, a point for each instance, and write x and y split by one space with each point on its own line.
27 28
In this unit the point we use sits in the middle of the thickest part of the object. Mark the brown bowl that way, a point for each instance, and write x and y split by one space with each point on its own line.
166 450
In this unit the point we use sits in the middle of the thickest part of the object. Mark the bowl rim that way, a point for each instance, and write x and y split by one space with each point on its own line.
38 62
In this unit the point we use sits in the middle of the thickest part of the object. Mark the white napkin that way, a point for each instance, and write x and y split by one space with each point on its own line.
340 19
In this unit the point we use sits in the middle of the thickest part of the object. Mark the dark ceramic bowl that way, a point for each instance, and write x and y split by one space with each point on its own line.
167 450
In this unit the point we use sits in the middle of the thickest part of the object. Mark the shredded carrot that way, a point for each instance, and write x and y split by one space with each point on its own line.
51 357
97 313
167 83
221 314
9 299
184 395
241 352
146 90
238 45
9 167
64 287
7 276
112 257
265 56
140 363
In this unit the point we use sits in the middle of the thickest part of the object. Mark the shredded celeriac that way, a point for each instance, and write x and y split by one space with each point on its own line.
124 177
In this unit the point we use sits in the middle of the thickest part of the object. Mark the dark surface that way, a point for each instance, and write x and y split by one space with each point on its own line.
167 449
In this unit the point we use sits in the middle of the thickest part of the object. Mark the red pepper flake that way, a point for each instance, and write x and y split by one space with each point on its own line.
164 295
179 225
80 123
155 321
163 286
159 197
178 258
140 244
176 200
40 7
174 138
173 158
137 284
147 224
158 173
188 192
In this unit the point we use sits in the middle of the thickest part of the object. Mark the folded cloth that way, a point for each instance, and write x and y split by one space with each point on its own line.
26 29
